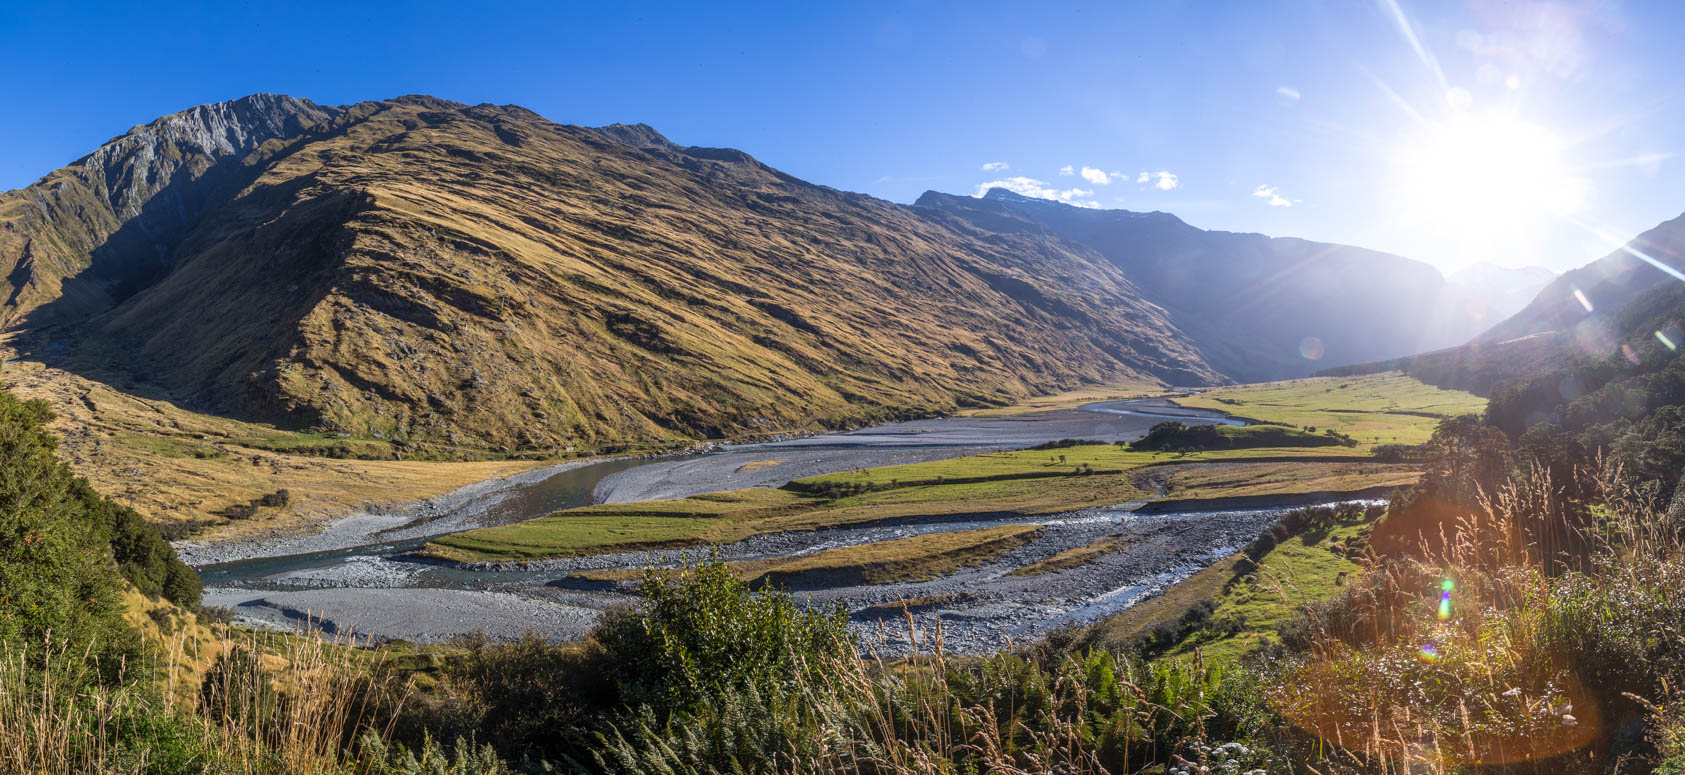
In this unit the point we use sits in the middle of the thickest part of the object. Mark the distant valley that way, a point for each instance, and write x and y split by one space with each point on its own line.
1261 308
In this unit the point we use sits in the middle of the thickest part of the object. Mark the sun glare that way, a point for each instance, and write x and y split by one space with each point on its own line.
1485 182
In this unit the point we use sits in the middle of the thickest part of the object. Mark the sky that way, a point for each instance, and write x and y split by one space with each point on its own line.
1450 132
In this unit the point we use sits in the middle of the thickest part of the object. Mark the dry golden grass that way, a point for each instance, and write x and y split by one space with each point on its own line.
477 275
129 448
1388 408
268 705
1071 399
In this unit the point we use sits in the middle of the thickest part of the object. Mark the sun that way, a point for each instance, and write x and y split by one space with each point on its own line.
1486 184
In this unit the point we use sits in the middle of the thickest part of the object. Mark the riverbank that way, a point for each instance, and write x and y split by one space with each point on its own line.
980 607
1095 550
443 514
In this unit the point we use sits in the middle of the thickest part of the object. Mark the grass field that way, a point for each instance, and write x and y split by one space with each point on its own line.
1300 570
1032 463
1231 480
1385 408
1025 483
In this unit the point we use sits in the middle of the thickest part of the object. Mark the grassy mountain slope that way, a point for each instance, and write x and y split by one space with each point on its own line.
440 274
193 473
1251 302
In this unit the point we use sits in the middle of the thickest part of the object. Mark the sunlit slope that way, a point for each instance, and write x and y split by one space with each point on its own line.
192 473
433 273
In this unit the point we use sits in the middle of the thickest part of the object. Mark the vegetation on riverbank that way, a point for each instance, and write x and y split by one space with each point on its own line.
1174 436
183 470
1387 408
1524 657
1240 601
1022 483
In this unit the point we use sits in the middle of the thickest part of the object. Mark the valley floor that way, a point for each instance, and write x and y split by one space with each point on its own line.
993 546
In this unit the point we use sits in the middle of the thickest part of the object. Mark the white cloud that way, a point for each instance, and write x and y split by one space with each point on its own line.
1271 195
1097 177
1287 93
995 166
1037 189
1067 170
1163 180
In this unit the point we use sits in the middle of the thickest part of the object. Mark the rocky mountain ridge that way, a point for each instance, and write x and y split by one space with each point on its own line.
477 277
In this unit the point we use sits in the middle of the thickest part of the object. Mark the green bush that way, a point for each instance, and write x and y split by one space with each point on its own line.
703 635
56 570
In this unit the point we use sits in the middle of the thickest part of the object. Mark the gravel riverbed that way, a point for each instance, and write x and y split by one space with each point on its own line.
355 575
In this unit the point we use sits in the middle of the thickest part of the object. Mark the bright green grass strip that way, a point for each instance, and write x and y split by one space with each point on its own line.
1385 408
1053 462
1292 574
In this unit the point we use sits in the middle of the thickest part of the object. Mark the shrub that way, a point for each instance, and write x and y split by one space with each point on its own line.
1064 443
56 564
1399 453
700 634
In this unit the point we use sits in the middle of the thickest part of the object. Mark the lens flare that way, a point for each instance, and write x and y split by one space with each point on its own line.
1666 341
1445 588
1429 653
1311 349
1584 302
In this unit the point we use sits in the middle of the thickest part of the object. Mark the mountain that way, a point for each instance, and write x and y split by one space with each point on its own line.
93 233
443 274
1606 285
1502 290
1258 308
1619 309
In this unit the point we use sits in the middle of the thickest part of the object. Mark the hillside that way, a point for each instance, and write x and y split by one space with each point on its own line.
1631 302
1607 285
1252 304
443 275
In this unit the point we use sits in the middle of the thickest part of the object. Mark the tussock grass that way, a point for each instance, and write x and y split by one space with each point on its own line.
1499 645
269 705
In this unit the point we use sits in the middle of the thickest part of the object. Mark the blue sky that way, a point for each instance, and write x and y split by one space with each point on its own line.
1448 132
